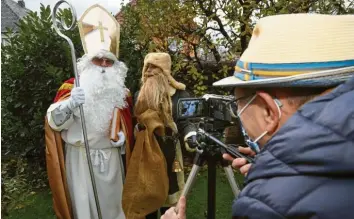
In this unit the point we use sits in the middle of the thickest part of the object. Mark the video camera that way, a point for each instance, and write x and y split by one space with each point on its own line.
214 110
213 113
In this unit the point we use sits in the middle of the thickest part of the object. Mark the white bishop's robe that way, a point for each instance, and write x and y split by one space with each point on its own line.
106 167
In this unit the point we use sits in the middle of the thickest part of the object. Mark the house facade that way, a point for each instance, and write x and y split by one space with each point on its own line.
11 13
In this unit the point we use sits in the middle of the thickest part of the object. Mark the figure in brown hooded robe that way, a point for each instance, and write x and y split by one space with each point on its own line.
155 177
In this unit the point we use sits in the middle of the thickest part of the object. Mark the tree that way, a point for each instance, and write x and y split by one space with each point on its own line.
204 34
34 63
132 48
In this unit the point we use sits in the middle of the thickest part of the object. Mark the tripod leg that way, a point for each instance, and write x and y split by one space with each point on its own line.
231 177
190 180
197 163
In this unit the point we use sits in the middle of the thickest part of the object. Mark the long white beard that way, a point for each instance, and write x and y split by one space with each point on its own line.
103 92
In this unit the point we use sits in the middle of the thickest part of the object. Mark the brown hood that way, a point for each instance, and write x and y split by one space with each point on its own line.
163 61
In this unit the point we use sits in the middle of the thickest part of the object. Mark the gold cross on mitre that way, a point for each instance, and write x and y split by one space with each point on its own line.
99 30
87 28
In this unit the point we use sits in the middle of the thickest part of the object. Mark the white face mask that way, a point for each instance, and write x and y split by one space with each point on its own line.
253 144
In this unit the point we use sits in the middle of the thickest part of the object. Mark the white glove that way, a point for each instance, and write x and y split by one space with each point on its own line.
77 98
120 142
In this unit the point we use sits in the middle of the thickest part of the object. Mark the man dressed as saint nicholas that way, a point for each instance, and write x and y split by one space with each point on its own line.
102 92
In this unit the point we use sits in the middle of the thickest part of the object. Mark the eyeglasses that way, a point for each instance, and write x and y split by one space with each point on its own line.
234 104
237 100
102 62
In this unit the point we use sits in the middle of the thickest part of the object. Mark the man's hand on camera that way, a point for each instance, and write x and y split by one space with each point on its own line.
190 140
241 163
176 213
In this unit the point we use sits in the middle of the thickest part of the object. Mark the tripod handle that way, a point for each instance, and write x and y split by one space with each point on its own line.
229 149
236 154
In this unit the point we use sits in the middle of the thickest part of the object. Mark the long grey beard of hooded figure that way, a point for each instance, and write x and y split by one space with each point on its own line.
103 92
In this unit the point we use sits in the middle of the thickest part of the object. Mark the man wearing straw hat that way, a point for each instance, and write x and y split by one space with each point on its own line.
294 90
102 92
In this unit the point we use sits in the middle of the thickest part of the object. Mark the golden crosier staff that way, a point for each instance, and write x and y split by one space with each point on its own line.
73 56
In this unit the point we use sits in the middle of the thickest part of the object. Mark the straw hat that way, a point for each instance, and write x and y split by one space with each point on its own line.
163 61
297 50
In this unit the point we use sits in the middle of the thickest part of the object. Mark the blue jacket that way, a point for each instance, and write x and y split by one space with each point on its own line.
307 169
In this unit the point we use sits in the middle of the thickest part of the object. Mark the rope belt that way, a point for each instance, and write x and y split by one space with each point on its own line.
98 156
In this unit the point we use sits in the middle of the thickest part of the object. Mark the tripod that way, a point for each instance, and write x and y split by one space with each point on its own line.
204 153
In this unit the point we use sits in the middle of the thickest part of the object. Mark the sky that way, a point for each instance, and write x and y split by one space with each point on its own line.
79 5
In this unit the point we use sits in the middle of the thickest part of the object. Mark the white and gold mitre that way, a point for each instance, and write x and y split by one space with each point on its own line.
99 30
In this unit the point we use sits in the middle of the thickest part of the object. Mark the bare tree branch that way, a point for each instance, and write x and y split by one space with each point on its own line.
214 17
212 28
197 57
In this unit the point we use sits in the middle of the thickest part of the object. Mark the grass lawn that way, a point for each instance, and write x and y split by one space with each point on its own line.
39 205
36 206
